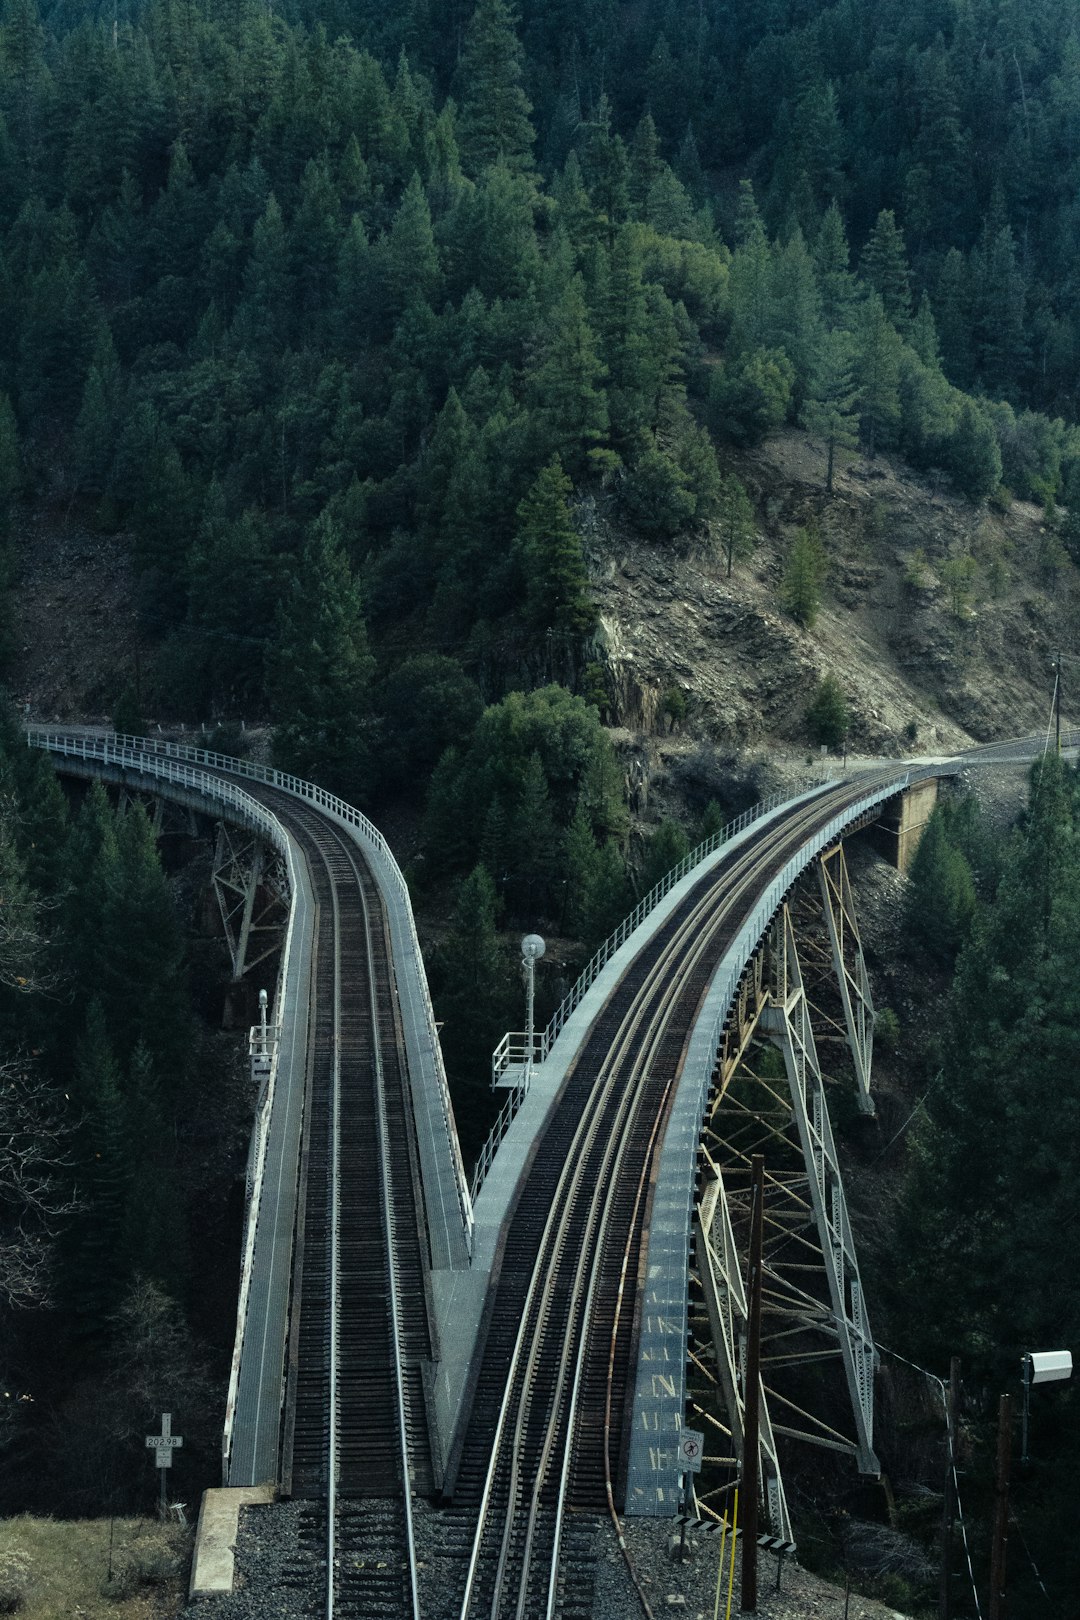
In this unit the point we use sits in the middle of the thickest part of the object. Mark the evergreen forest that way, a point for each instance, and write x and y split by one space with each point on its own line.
355 322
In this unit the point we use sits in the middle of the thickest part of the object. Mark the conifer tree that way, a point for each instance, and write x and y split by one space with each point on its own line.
493 122
735 521
143 947
10 463
556 584
829 409
877 375
581 861
645 162
832 261
804 574
828 717
566 386
95 1270
973 453
884 265
941 894
412 259
320 670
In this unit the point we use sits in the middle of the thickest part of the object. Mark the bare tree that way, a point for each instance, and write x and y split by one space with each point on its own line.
35 1191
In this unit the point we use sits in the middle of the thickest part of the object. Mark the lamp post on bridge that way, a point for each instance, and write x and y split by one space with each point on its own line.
532 949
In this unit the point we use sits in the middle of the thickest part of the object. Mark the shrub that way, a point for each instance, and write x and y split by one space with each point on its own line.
147 1562
15 1571
887 1029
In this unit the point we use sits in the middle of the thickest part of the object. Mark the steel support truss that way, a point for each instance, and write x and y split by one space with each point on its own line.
813 1311
849 965
252 891
164 815
787 1020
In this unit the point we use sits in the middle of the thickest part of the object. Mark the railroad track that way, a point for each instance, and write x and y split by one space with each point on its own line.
544 1447
356 1430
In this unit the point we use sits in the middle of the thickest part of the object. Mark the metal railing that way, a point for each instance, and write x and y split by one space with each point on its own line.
606 951
512 1050
134 751
128 753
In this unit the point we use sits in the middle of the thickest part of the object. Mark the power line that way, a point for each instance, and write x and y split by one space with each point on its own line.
952 1465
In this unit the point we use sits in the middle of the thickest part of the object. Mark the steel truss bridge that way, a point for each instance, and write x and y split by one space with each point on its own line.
529 1349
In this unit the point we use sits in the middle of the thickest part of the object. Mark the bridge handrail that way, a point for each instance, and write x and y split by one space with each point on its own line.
119 751
700 852
90 746
516 1096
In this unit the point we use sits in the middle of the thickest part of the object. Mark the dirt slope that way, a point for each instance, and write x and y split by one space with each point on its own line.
912 668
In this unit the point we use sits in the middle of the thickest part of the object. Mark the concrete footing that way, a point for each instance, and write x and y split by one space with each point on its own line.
215 1537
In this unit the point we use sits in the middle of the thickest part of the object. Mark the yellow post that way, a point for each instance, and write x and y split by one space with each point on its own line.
734 1538
720 1570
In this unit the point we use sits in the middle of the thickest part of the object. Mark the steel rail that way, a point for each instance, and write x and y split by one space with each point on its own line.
390 1220
561 1210
343 847
335 1256
570 1177
671 972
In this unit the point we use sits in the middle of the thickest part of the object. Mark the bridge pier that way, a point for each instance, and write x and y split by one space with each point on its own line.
903 820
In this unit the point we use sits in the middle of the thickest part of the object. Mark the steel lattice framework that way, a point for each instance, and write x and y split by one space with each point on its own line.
769 1097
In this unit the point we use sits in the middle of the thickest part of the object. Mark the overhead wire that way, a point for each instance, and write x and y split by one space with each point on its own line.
952 1465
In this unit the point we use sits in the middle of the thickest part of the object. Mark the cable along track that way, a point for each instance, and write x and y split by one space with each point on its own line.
547 1430
356 1430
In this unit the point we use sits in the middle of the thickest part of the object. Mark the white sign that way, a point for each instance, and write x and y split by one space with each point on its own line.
164 1442
691 1450
1047 1366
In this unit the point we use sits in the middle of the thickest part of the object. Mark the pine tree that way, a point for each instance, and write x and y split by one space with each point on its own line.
142 946
535 841
566 385
832 261
10 463
493 123
320 670
877 376
941 894
664 850
97 428
581 862
884 265
735 521
973 454
828 718
829 408
556 584
95 1269
645 163
804 573
412 259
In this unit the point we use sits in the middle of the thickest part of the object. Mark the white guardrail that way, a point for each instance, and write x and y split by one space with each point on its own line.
124 751
546 1038
146 753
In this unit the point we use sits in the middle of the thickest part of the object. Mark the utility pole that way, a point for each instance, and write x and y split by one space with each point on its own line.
1057 702
1001 1511
752 1391
948 1506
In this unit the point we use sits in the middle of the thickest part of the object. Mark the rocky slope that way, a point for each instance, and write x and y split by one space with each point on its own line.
915 671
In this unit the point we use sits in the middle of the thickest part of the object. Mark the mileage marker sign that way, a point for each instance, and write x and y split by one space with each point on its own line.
163 1445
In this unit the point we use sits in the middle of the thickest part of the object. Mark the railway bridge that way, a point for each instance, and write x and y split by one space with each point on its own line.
527 1348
